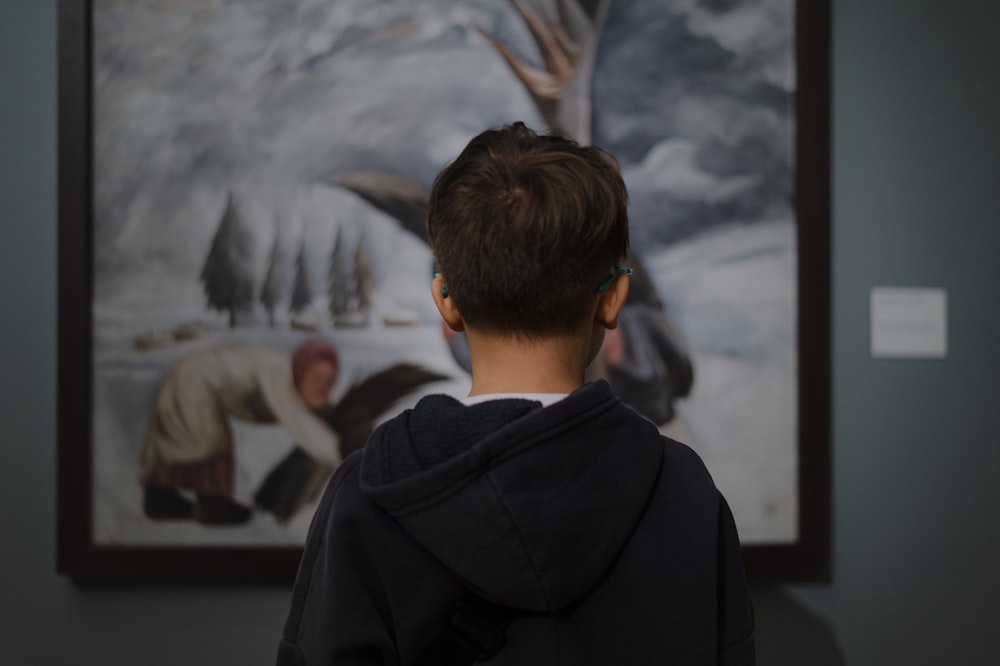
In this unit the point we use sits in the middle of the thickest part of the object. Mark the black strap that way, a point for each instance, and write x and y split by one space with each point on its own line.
474 630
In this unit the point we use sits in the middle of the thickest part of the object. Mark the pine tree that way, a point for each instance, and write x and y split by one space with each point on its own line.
302 294
272 293
228 275
338 281
364 277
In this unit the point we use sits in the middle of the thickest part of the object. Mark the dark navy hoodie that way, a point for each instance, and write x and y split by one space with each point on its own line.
609 542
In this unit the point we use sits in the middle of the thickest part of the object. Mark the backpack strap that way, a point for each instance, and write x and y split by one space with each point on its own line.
474 630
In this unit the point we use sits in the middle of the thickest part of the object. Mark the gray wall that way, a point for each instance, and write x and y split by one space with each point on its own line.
916 166
916 201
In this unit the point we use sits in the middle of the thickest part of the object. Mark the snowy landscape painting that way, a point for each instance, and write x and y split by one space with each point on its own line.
259 178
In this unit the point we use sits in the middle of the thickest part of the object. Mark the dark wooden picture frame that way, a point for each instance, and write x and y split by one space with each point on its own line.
807 559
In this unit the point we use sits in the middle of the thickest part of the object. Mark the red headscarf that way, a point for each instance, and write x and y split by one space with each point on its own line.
308 352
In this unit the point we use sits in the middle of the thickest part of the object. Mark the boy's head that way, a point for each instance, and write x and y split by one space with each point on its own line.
525 227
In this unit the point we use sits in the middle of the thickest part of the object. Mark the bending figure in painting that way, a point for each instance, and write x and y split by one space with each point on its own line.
189 442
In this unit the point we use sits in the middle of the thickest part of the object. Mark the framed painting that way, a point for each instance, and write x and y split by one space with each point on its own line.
243 286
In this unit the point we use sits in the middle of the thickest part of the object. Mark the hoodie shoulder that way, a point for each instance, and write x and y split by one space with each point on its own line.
683 456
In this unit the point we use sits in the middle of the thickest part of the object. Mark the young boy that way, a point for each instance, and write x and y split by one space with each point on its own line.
538 520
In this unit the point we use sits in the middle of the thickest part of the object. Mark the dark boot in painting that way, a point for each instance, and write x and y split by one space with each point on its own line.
220 510
162 503
293 483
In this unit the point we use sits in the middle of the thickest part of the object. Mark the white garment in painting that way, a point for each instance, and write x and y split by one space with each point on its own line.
203 390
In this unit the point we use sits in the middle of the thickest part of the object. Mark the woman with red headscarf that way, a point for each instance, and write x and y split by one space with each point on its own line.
189 443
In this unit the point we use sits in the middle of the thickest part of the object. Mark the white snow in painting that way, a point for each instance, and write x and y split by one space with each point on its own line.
272 105
733 297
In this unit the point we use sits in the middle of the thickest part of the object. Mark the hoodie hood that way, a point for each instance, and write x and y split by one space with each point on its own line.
530 506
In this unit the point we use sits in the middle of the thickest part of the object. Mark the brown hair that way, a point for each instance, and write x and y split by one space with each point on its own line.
524 227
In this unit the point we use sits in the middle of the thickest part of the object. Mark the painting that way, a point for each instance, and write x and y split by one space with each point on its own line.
244 274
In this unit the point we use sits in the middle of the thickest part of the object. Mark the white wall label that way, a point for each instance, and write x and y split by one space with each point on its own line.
909 322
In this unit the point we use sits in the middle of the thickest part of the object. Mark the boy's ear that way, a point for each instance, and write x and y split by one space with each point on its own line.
445 305
610 303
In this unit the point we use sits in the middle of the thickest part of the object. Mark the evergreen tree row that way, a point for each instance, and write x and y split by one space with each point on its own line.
229 278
